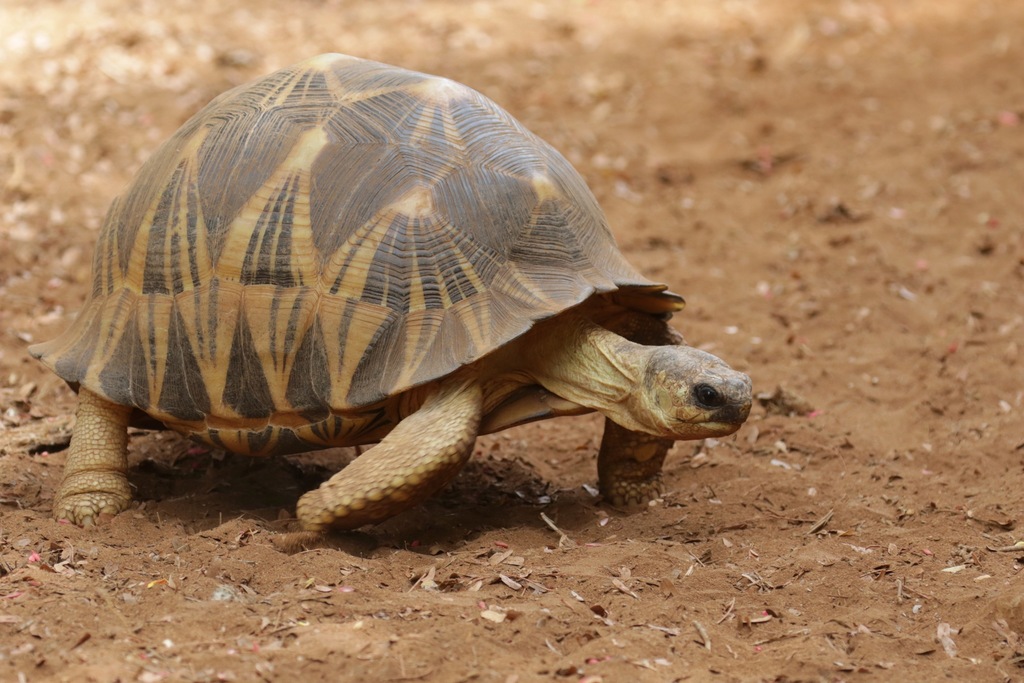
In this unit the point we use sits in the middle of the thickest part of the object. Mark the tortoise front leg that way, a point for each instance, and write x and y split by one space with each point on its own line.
629 463
95 480
423 453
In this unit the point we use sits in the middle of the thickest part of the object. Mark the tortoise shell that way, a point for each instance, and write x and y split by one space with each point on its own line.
325 238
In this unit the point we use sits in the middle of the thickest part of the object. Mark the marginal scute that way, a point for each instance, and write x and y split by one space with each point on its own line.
125 378
246 390
259 441
183 395
73 366
371 379
309 387
312 244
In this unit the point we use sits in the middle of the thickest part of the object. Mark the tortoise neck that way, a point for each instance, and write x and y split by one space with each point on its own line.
582 362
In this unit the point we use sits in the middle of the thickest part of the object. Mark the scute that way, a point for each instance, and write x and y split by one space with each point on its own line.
476 195
326 237
247 391
309 388
183 394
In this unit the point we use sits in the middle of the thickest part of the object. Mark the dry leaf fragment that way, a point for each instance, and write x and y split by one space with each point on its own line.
602 614
944 634
498 558
426 580
491 615
510 582
622 587
649 663
705 639
821 523
762 618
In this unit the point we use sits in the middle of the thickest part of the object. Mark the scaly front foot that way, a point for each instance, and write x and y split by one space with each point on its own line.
95 480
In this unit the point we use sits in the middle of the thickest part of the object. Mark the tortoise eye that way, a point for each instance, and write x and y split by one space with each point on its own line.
708 397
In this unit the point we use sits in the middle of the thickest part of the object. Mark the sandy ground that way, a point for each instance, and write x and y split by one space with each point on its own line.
836 187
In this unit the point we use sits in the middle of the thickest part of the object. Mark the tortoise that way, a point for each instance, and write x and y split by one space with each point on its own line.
346 252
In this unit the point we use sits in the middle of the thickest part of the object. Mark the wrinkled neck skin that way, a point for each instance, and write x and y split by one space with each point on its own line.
580 362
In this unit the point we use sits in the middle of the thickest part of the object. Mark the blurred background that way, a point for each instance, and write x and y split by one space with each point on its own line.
834 186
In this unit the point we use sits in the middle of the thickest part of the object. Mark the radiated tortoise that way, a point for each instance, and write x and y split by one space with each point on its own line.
345 252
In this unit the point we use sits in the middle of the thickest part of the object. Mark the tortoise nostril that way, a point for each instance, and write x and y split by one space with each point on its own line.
708 396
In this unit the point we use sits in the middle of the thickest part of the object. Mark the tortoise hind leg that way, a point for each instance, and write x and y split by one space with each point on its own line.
95 480
423 453
629 463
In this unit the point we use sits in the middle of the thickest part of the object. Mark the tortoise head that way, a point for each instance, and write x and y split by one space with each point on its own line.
687 393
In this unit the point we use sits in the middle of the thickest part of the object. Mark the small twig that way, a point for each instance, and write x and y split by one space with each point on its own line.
623 588
1015 548
821 523
918 593
784 636
667 630
728 611
779 515
85 637
705 639
564 541
425 580
755 579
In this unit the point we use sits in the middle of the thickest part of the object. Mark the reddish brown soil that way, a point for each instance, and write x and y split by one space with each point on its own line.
837 188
